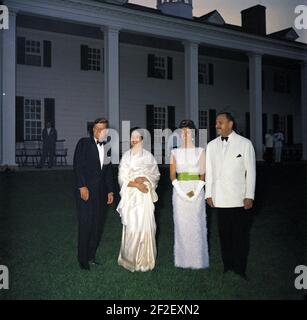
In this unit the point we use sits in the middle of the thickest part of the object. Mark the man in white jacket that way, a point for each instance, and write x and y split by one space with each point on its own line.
230 188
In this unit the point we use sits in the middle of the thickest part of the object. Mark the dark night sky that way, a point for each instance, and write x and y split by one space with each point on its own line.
280 13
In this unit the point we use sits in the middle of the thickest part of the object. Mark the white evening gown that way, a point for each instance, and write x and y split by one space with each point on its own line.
190 222
138 246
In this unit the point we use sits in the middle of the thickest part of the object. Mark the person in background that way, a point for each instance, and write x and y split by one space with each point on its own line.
269 146
49 138
278 145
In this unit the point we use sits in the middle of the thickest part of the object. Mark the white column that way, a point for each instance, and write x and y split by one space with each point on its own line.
304 107
111 75
255 103
191 81
9 92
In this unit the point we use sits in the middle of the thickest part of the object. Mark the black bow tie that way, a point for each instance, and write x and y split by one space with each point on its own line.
225 138
101 143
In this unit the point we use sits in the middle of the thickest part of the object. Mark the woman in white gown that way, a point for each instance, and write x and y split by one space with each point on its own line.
138 177
187 172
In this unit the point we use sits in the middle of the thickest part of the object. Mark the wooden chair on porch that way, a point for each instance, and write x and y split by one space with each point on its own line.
60 153
32 151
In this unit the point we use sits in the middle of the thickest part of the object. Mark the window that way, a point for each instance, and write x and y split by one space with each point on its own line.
160 67
91 58
33 47
205 73
94 59
33 55
203 119
32 119
34 52
159 118
282 82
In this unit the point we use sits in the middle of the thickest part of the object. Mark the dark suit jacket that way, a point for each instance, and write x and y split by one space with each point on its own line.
87 169
51 138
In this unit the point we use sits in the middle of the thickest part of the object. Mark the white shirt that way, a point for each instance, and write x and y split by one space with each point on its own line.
101 152
278 139
225 143
269 140
48 131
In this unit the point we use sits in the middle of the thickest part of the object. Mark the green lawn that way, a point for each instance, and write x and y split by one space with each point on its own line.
38 233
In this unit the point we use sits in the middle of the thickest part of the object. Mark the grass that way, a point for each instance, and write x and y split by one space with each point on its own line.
38 237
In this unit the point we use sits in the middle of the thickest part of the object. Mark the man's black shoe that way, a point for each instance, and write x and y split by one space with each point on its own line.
85 267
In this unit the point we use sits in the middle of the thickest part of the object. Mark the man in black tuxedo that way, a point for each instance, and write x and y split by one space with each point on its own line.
94 190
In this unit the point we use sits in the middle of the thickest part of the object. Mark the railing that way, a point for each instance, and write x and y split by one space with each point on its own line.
28 153
292 152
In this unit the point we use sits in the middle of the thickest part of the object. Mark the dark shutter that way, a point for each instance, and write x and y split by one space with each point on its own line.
84 57
150 117
264 126
275 122
290 129
19 119
21 50
50 111
247 125
169 68
151 65
47 54
211 73
171 117
247 79
212 120
150 122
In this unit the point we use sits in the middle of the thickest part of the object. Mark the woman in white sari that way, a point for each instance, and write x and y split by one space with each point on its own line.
187 172
138 177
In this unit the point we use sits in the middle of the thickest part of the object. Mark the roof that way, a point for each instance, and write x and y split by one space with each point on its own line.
205 19
212 17
289 34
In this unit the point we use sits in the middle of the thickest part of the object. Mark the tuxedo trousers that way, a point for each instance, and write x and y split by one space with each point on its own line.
91 219
234 225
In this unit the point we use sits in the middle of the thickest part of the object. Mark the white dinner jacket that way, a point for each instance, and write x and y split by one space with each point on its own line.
230 176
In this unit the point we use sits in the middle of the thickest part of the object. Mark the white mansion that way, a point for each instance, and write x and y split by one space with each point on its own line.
71 61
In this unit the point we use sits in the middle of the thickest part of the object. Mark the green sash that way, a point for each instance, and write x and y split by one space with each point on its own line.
186 176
